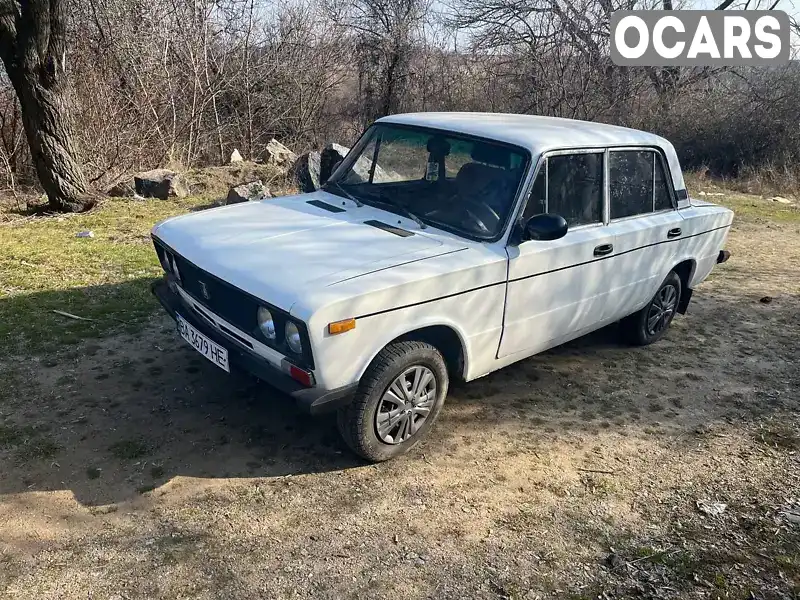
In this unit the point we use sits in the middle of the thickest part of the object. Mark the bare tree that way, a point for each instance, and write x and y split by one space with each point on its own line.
33 50
183 82
384 35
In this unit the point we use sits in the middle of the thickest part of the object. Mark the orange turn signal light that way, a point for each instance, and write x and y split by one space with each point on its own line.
338 327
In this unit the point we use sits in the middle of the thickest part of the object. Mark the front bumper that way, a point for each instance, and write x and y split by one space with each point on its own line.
313 400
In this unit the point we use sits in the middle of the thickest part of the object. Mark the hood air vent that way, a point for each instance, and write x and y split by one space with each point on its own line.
389 228
325 206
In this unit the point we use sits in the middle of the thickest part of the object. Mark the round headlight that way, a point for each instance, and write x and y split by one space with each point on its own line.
293 338
175 270
165 262
265 323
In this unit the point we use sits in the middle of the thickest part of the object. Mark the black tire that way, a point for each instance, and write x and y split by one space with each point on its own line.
636 328
357 421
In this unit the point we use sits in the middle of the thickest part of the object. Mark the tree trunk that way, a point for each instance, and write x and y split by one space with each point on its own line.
389 83
50 140
32 47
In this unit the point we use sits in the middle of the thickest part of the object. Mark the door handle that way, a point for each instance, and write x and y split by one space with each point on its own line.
603 249
673 233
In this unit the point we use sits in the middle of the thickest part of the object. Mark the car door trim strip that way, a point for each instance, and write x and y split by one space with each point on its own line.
388 310
670 241
488 285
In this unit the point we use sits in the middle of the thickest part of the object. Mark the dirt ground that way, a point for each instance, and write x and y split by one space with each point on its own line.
130 468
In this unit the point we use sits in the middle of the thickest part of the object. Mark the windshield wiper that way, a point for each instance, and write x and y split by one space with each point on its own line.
401 207
340 187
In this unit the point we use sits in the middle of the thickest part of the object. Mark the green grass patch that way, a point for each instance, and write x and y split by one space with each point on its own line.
40 448
130 449
760 210
29 442
16 435
145 488
748 207
10 384
9 435
44 267
789 563
779 435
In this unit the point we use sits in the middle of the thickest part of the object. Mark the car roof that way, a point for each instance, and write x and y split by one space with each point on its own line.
541 134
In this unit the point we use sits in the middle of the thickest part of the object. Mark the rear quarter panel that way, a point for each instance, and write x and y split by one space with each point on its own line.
706 228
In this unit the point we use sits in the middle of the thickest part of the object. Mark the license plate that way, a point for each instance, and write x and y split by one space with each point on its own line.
212 351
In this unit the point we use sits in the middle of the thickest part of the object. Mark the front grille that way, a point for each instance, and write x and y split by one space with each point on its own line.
220 298
234 305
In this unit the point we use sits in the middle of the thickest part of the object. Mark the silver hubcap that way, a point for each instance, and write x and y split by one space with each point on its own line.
662 309
405 405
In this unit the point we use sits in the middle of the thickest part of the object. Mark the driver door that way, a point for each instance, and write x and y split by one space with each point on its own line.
558 290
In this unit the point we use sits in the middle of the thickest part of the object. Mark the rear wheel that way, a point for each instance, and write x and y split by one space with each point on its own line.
651 323
397 401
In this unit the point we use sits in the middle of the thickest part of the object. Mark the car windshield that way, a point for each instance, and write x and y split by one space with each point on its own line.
460 184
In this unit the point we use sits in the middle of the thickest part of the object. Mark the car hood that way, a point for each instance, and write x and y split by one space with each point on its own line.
277 249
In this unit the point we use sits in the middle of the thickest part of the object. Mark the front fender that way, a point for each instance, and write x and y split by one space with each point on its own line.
474 315
342 359
405 329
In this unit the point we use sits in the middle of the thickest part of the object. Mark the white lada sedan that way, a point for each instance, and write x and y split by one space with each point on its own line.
444 245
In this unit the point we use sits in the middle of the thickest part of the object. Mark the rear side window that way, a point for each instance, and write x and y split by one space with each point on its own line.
631 183
637 183
663 199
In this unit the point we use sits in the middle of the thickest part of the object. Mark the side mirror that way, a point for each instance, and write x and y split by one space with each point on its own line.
545 228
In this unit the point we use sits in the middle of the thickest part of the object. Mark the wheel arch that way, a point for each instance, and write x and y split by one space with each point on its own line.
443 336
685 271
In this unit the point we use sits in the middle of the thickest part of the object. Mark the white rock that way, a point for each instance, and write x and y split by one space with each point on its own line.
246 192
712 509
278 155
236 157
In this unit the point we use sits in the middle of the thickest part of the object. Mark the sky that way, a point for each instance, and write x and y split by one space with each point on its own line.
790 7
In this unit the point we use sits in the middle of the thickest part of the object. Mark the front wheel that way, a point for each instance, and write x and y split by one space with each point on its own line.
651 323
397 401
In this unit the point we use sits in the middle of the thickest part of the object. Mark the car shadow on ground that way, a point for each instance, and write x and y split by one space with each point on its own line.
144 411
118 417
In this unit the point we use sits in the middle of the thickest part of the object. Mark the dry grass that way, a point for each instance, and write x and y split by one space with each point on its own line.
213 183
764 182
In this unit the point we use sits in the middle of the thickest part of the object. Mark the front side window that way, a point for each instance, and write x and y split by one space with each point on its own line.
462 184
537 201
570 185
